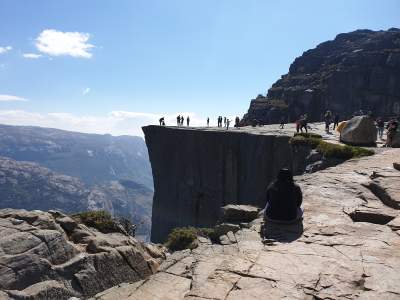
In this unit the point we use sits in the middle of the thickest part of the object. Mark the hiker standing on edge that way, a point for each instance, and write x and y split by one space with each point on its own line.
282 123
391 131
336 121
162 123
178 120
381 127
328 120
208 122
227 123
187 121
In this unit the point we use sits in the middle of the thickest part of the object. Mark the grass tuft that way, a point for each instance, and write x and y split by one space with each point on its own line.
328 150
99 219
186 237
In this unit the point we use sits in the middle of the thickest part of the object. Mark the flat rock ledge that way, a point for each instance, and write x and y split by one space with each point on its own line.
47 255
348 247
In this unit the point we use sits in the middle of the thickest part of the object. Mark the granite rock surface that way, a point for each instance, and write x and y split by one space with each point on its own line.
346 247
48 255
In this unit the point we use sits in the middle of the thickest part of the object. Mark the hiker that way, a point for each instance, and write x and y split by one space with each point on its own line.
336 121
187 121
237 121
391 131
178 120
381 126
219 121
282 123
298 123
328 120
227 121
284 199
162 123
303 123
224 121
208 122
182 119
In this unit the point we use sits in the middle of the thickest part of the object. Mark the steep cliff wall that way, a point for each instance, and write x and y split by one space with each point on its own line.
359 70
196 171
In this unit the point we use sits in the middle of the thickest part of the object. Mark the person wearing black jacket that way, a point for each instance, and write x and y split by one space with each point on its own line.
284 199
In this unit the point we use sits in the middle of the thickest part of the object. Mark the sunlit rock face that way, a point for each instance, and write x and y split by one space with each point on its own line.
359 70
196 172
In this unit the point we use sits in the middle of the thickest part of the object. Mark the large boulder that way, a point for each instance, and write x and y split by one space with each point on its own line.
360 130
238 213
396 140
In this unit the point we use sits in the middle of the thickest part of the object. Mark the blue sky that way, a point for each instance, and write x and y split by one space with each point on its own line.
111 66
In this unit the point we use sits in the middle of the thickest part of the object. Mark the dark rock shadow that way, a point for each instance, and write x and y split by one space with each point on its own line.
281 232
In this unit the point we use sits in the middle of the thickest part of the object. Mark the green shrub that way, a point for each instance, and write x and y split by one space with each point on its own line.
99 219
342 152
299 140
328 150
182 238
186 237
308 135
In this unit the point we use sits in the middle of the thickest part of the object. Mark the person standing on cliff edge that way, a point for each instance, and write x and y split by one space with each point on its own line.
208 122
187 121
227 123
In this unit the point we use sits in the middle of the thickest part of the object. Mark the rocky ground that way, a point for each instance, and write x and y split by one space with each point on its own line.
289 130
48 255
347 247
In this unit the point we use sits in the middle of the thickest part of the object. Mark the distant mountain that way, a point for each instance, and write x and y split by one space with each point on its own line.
93 158
359 70
44 168
27 185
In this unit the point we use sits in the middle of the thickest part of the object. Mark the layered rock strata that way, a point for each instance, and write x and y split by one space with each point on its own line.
347 247
197 171
51 256
359 70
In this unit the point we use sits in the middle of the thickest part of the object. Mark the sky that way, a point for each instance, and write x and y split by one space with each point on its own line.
104 66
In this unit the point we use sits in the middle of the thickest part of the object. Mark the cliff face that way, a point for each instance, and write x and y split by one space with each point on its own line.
356 71
196 172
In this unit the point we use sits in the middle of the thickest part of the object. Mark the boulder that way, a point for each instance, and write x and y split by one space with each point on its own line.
51 256
360 130
396 165
224 228
396 141
238 213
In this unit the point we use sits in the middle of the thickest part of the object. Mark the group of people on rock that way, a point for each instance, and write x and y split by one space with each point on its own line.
180 119
329 118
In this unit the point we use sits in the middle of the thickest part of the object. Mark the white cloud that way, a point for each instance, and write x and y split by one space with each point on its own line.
31 55
57 43
86 91
115 122
9 98
5 49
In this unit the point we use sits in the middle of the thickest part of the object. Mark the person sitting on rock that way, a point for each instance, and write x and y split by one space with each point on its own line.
162 123
284 199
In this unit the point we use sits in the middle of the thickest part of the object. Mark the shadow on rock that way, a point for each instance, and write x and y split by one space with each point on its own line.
281 232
